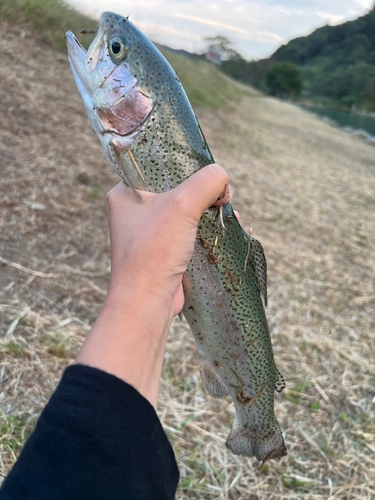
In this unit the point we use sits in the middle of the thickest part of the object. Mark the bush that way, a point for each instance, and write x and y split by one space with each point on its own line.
284 80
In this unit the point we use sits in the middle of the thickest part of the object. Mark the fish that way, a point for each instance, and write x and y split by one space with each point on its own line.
151 136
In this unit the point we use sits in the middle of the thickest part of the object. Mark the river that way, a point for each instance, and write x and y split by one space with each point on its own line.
358 124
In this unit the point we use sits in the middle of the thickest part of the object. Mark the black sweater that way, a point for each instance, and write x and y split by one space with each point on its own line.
97 438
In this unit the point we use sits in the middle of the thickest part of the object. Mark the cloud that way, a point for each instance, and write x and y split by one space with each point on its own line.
364 4
283 10
212 23
331 18
157 29
256 27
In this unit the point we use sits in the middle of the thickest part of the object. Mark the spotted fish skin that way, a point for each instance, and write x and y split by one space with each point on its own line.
152 138
224 308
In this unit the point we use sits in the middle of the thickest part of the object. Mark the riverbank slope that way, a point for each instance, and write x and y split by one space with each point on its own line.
307 191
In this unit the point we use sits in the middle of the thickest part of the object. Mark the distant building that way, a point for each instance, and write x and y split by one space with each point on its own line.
213 55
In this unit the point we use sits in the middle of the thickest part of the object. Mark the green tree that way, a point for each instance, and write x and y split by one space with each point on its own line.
284 79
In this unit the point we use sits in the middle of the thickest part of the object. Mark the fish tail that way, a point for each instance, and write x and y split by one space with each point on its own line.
241 442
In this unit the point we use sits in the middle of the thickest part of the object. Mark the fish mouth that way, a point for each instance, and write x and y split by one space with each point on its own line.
76 53
82 62
85 62
73 42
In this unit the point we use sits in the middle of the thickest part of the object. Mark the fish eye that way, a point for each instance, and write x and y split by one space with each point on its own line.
118 48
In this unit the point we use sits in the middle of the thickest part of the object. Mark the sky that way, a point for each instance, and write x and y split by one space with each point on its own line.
255 27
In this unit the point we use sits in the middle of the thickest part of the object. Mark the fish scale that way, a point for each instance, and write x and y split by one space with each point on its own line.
150 134
237 345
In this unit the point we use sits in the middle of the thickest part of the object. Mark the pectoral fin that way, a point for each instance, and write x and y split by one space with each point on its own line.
212 381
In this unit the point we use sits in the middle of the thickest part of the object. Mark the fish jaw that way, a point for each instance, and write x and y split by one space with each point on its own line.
115 101
87 80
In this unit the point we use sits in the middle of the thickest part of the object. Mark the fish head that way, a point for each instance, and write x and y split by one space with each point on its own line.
119 80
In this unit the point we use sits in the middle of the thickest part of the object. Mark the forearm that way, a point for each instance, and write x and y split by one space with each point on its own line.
128 339
150 251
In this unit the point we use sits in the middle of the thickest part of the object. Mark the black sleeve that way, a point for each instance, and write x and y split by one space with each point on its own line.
97 438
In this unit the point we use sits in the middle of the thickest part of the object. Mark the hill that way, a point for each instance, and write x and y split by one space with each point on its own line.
305 188
337 64
337 61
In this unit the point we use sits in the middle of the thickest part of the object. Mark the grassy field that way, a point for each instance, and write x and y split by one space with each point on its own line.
307 190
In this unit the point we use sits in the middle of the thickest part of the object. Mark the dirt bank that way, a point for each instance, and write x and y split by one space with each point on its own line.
308 192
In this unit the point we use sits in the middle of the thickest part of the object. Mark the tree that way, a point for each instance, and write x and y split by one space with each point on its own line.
284 79
223 45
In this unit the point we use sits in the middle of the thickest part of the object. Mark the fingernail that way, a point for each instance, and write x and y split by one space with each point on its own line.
225 196
224 193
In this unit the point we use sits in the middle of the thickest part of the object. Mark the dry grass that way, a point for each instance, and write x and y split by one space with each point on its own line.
308 191
50 19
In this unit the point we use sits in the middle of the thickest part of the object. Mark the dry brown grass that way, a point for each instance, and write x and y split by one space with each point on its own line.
308 191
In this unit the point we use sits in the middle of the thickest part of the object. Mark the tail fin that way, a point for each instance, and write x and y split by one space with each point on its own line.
239 441
242 442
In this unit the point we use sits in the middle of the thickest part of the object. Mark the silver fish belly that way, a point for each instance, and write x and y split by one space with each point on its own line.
151 136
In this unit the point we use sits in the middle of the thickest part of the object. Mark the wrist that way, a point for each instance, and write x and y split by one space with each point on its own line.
128 339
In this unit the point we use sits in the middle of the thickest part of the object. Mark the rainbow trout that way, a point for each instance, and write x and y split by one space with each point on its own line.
151 136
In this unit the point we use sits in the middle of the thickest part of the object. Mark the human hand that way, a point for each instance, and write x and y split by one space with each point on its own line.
152 242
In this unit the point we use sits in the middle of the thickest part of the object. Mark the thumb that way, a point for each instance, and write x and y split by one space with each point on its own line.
201 190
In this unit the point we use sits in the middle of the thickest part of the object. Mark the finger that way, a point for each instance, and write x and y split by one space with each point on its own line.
209 186
225 196
238 217
201 190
